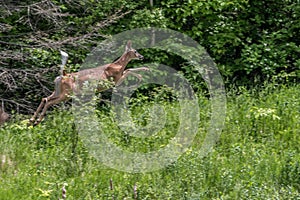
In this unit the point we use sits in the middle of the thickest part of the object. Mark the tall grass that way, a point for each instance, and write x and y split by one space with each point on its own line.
257 156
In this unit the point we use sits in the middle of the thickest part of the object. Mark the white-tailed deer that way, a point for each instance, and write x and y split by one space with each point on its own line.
3 115
65 84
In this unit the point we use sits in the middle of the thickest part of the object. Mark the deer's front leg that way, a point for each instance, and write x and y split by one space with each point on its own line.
132 71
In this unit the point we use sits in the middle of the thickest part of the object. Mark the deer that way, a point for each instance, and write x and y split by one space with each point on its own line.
69 83
3 115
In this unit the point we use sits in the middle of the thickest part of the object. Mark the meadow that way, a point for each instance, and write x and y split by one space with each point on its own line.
256 157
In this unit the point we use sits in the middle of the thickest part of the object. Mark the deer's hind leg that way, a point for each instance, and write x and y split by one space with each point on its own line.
48 103
38 110
55 95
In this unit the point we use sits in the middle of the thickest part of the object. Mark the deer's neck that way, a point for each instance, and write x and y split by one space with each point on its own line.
123 60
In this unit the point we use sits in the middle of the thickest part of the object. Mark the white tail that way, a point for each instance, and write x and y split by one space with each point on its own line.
64 59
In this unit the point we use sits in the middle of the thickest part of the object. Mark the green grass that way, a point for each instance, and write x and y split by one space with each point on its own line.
257 156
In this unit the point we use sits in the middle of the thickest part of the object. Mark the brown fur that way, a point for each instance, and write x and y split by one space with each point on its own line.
3 115
66 84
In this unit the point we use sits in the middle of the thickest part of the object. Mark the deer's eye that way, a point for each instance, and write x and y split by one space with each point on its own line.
135 51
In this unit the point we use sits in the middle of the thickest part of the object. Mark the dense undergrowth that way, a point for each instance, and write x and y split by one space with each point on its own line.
256 157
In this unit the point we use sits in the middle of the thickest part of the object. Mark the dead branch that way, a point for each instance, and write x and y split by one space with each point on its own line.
14 51
12 80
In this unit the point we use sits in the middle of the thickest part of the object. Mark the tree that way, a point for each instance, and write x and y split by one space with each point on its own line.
33 32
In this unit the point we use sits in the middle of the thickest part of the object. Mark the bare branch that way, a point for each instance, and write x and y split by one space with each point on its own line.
15 47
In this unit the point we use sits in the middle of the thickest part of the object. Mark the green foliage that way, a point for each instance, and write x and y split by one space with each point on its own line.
249 40
257 156
290 172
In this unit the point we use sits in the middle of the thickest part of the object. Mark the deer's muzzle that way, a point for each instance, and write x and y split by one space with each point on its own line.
140 57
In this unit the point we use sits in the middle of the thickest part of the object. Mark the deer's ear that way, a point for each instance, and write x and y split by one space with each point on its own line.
128 46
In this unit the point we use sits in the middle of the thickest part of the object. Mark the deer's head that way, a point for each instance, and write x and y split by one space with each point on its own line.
133 54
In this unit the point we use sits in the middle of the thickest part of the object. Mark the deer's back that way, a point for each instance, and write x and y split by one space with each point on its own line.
88 74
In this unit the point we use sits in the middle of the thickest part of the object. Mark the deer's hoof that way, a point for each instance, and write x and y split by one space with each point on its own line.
37 122
30 122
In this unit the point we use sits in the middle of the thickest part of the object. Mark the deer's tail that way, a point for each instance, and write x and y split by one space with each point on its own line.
64 59
58 80
57 83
